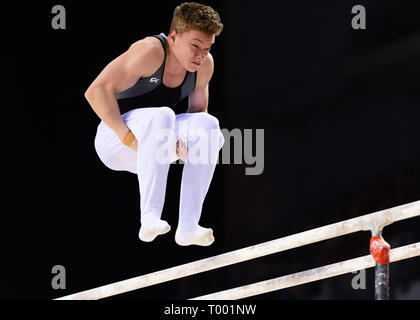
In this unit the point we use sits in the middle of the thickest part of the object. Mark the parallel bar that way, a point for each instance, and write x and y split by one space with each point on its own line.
361 223
316 274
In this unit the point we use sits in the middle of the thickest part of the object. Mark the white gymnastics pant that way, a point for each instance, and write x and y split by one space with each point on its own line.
196 130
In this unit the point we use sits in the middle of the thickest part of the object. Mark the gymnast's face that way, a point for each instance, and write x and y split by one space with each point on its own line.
191 48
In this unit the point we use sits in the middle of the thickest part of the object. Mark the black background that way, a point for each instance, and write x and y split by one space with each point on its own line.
340 110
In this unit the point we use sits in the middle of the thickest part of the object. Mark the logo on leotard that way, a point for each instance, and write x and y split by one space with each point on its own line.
155 80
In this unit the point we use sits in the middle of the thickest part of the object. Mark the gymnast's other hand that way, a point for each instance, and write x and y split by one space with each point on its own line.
130 140
181 150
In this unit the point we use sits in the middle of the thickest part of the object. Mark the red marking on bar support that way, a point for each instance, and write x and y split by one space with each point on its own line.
379 250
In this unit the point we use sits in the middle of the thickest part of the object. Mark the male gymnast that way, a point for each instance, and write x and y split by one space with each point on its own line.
135 96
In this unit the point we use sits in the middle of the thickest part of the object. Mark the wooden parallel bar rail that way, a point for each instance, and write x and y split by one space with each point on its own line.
367 222
307 276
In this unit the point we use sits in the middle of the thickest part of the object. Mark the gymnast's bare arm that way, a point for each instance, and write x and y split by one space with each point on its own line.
198 100
142 59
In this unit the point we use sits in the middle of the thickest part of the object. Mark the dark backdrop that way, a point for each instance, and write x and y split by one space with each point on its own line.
340 111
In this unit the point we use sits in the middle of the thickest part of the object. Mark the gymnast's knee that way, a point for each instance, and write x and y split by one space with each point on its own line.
206 121
164 117
210 125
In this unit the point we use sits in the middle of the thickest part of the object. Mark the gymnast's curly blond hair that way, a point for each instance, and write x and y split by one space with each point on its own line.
195 16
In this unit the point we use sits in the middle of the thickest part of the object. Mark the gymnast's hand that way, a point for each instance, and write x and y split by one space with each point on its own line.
130 140
181 150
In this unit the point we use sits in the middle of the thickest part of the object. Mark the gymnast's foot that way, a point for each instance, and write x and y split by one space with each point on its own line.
153 227
194 236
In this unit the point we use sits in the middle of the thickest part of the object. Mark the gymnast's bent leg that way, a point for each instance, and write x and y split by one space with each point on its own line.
201 133
152 175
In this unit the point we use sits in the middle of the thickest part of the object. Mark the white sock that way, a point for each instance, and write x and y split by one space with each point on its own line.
152 228
194 236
